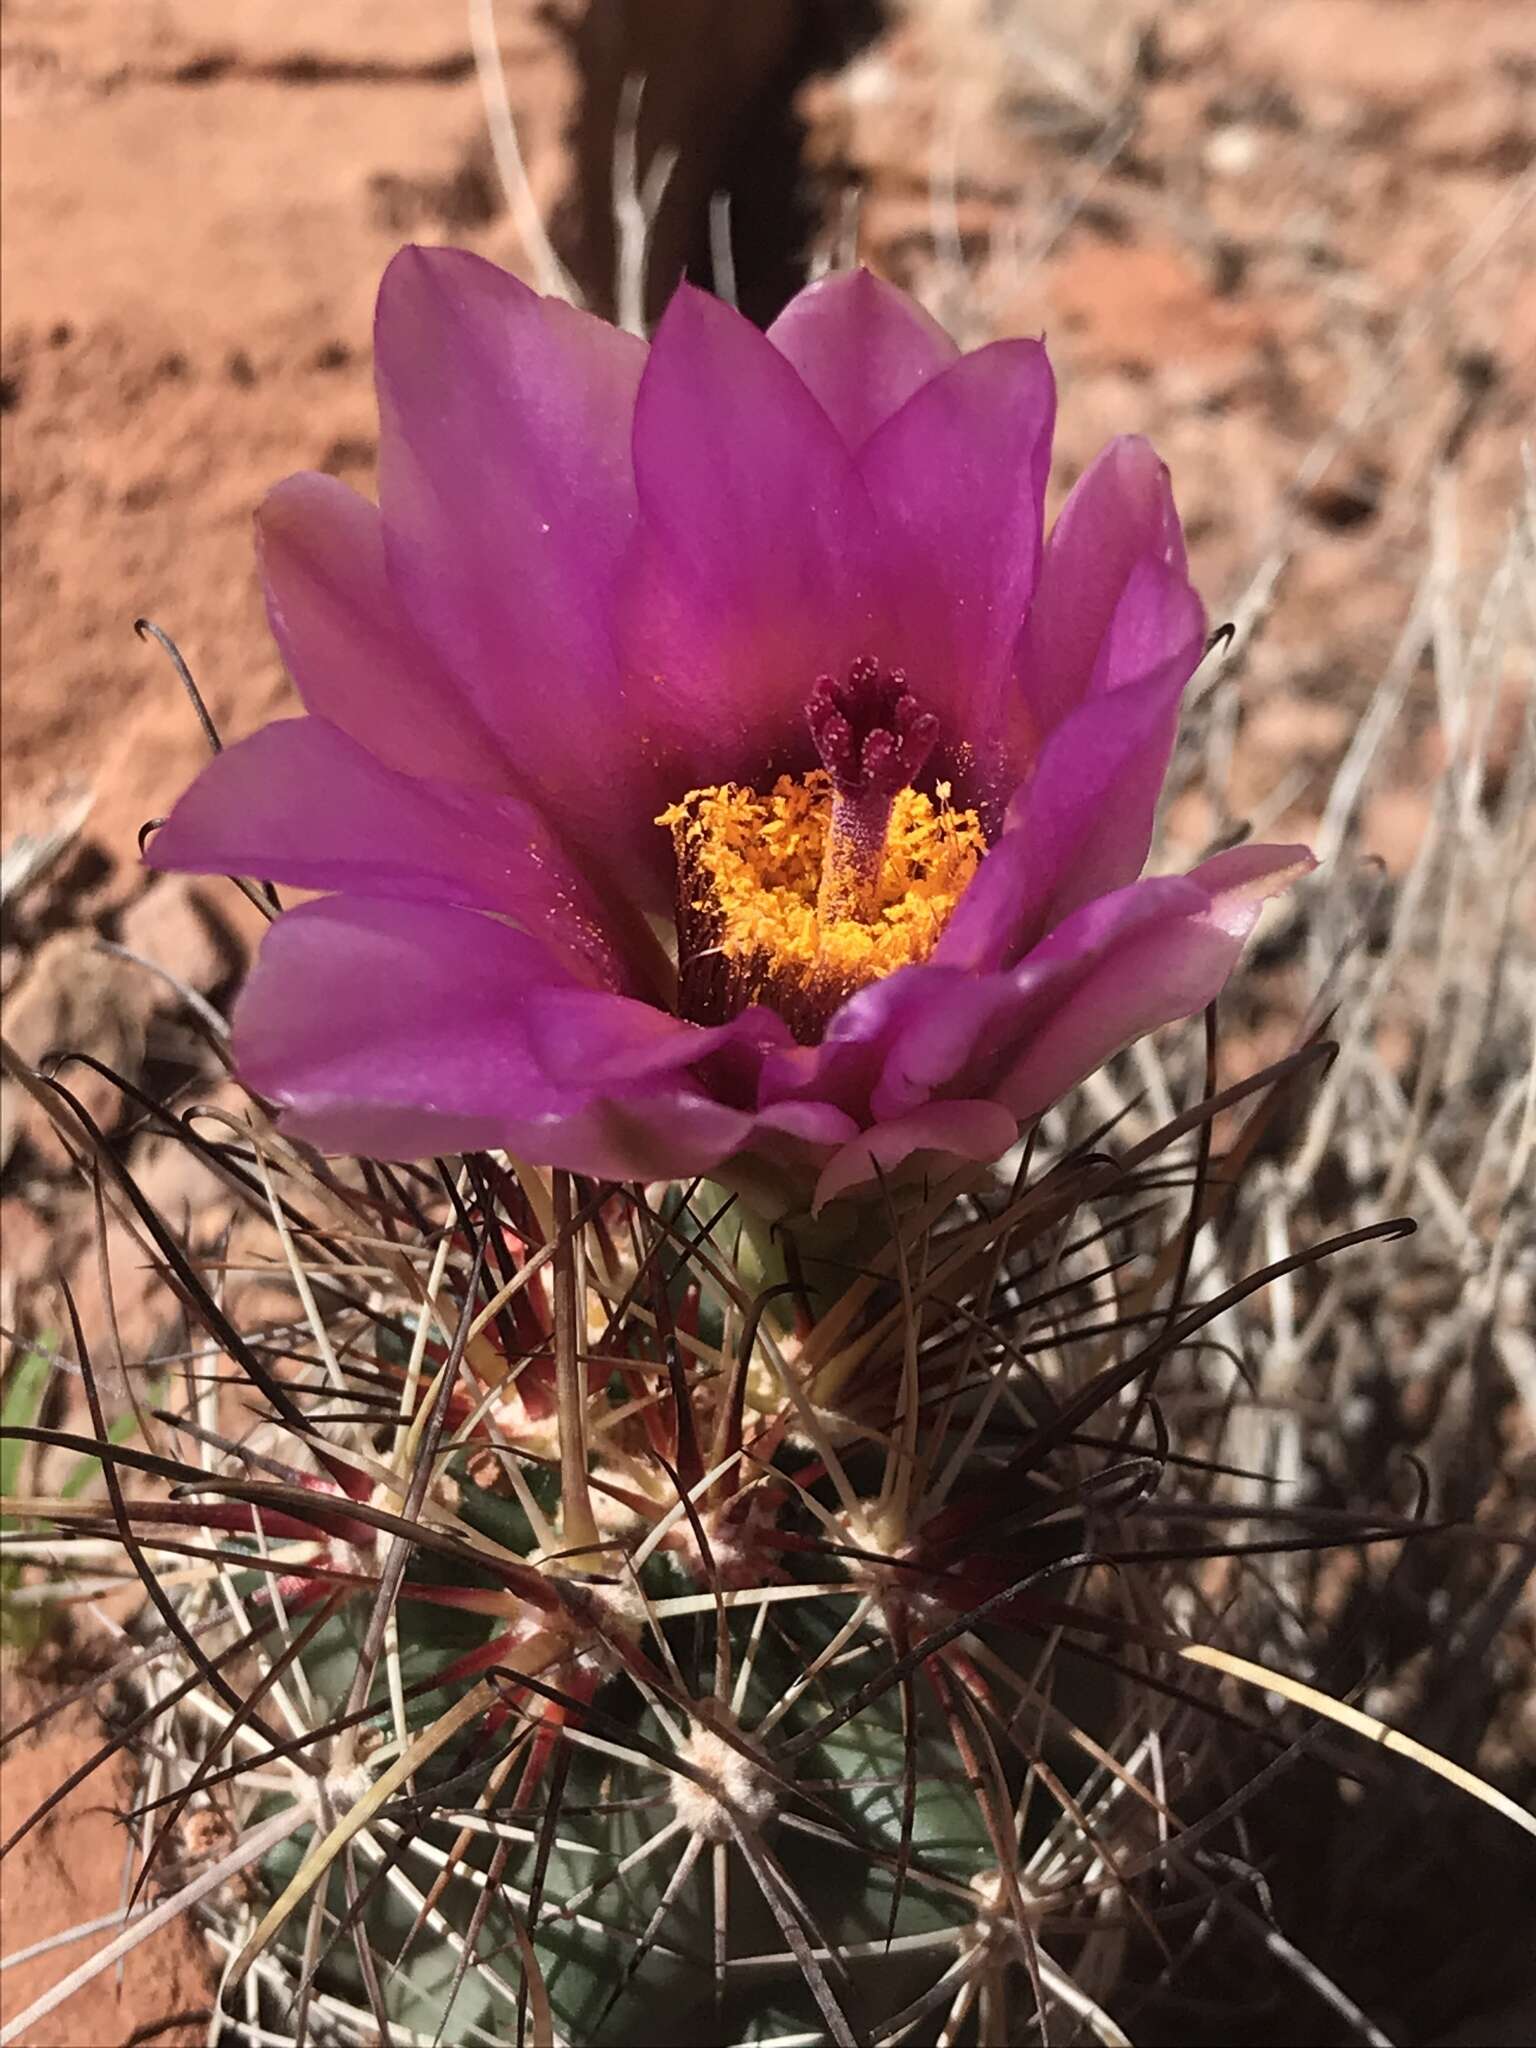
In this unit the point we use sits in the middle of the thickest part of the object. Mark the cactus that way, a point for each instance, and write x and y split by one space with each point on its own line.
621 1623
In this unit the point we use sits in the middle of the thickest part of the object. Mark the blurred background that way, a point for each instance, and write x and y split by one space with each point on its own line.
1292 243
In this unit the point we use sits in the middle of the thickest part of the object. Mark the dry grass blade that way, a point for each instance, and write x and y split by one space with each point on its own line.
1366 1725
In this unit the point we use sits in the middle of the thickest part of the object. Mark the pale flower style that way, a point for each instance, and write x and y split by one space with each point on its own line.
752 640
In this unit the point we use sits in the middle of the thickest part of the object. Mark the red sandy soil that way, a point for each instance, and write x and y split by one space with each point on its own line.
1239 226
70 1870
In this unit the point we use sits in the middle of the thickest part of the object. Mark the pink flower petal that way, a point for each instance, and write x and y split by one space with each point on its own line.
1159 949
301 803
957 478
753 571
348 646
508 502
958 1030
394 1030
1078 827
1171 969
861 347
1120 513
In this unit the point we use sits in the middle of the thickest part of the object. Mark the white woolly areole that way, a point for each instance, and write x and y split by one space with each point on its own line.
622 1606
344 1788
732 1786
616 1609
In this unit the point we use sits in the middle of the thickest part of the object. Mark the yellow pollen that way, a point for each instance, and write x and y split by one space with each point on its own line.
754 866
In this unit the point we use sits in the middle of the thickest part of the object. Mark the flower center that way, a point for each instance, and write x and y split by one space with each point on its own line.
831 880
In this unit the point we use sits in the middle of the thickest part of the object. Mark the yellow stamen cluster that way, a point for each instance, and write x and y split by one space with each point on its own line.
750 867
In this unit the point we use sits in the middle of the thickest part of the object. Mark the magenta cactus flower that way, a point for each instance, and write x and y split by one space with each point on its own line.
751 641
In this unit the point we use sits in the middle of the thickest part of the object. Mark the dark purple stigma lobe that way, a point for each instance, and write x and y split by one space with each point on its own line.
872 734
